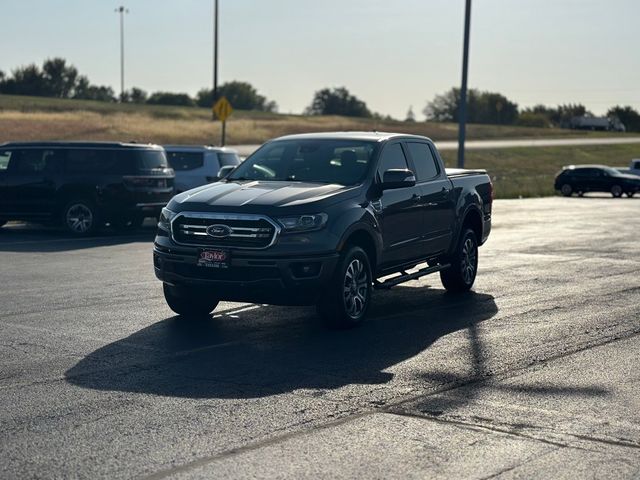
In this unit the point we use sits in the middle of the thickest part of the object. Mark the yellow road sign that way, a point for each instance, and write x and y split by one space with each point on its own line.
222 108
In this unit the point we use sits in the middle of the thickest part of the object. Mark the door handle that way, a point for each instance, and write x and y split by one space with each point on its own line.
416 198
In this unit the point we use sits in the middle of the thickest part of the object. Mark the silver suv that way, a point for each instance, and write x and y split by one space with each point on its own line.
197 165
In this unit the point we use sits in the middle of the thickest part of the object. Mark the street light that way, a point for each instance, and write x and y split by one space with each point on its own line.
121 10
463 89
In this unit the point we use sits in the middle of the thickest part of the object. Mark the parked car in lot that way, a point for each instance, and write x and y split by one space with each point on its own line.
198 165
595 178
633 169
83 185
323 219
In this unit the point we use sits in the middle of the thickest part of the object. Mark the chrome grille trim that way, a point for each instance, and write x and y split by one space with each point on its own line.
237 232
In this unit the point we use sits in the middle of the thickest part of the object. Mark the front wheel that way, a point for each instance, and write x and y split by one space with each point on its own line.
616 191
346 300
189 302
630 194
464 264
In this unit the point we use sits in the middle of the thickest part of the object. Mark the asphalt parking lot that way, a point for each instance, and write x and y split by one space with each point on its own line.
534 375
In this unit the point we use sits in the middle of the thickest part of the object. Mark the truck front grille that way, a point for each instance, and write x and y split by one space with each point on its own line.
239 231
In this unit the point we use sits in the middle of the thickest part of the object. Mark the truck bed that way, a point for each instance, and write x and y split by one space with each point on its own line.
463 172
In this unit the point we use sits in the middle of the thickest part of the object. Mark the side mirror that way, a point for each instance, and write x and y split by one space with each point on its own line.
225 171
398 178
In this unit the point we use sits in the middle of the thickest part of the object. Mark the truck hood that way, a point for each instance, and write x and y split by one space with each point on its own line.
249 194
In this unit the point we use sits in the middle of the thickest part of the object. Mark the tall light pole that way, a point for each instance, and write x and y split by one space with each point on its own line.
215 53
462 114
121 10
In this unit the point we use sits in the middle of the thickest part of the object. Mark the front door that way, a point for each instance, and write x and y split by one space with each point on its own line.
401 219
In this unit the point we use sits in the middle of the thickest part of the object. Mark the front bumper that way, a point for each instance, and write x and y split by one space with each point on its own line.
295 280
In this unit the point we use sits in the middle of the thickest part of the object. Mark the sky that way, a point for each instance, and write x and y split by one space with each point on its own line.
391 54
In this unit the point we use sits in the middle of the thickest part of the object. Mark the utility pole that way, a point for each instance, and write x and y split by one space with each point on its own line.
121 10
462 114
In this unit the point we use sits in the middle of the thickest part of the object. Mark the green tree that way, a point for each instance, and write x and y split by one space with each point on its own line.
27 80
170 98
482 107
629 117
135 95
411 117
59 77
241 95
337 101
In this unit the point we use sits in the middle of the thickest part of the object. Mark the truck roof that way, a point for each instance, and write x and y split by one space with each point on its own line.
372 135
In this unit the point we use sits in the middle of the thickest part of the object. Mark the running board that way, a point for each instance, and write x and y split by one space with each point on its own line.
405 277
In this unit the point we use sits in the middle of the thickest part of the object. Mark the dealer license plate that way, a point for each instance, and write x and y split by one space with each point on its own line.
214 258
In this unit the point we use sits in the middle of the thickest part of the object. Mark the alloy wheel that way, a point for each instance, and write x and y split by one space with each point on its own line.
79 218
469 261
356 288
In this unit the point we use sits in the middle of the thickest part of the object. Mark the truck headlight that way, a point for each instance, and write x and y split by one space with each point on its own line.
303 223
164 222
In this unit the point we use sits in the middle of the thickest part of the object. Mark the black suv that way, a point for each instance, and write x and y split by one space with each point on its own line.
595 178
83 185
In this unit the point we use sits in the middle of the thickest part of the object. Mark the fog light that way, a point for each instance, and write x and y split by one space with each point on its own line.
305 270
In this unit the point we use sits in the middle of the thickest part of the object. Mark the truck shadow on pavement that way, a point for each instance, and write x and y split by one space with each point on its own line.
262 351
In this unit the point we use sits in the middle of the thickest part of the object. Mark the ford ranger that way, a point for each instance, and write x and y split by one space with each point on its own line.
323 219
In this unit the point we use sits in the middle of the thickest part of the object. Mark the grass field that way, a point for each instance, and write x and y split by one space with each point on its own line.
37 118
516 172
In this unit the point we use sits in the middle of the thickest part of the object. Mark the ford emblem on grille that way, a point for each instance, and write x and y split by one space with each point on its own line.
219 231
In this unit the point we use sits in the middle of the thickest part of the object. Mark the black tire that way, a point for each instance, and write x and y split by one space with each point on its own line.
566 190
347 299
464 264
616 191
189 302
80 217
630 194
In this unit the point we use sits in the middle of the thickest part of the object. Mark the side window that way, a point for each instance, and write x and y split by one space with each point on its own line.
392 158
181 161
91 161
5 158
423 160
33 160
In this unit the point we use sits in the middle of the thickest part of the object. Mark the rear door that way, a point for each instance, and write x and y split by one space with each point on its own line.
402 214
435 197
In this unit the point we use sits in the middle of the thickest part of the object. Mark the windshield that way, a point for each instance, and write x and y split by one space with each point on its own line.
344 162
612 171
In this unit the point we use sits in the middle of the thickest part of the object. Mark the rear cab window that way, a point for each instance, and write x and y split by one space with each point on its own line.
424 161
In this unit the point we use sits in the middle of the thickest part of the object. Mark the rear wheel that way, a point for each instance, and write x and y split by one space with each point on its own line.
566 190
189 302
616 191
464 264
630 194
80 217
346 300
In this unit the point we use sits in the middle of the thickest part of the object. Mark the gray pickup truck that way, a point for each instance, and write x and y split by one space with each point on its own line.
323 219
